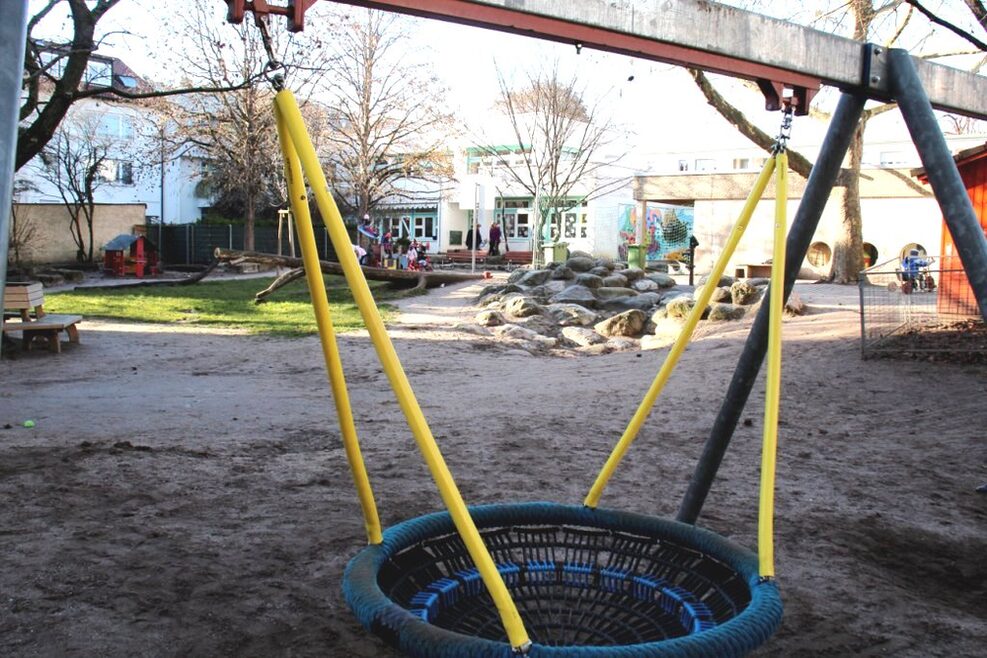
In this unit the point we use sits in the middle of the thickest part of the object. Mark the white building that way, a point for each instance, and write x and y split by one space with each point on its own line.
135 169
714 173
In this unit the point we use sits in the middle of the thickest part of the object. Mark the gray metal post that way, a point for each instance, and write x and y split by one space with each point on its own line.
13 33
817 192
968 236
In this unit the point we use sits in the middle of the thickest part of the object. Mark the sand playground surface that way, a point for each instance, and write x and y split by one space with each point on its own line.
184 490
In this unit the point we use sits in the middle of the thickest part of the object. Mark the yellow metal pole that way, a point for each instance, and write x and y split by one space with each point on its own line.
451 496
772 396
593 497
327 334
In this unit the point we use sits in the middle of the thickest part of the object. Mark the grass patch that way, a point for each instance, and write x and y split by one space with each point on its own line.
228 304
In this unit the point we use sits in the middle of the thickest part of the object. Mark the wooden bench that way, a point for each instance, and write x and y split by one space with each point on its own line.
25 297
753 271
46 328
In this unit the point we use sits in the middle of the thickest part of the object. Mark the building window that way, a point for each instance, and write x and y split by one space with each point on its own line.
424 227
517 225
474 167
683 165
98 74
116 126
117 171
705 164
741 164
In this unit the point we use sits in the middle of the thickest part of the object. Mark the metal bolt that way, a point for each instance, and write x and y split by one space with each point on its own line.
875 79
878 51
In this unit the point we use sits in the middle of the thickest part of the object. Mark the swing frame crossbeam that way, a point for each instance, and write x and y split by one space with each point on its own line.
780 57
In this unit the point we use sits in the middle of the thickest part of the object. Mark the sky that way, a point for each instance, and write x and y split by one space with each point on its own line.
656 105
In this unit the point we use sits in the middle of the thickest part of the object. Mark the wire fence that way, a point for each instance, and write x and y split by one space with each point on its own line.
931 311
194 244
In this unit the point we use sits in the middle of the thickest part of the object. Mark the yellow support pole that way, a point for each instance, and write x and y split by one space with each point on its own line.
451 496
327 334
772 395
593 497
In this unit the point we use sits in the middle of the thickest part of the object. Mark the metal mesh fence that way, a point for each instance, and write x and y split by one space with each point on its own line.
931 310
194 244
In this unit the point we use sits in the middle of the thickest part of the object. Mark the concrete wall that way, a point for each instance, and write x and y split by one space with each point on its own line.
53 241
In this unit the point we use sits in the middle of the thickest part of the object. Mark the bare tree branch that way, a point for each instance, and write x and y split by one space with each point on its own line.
974 5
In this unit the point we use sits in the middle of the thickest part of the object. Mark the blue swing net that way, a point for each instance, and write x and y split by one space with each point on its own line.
587 582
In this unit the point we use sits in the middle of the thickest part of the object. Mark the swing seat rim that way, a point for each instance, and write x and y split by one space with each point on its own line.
408 633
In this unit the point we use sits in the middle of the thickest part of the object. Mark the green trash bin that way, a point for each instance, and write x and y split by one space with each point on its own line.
635 256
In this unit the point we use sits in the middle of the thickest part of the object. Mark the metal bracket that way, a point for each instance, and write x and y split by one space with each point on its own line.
875 77
294 11
775 97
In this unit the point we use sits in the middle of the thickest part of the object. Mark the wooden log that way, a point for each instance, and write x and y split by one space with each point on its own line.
416 279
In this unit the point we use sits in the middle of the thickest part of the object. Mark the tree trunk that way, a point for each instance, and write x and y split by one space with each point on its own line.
248 230
90 212
848 252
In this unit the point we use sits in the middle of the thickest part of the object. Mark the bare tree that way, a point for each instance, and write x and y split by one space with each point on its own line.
234 132
24 234
78 161
865 18
559 140
381 128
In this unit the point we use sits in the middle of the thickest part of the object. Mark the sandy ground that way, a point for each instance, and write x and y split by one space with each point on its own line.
184 491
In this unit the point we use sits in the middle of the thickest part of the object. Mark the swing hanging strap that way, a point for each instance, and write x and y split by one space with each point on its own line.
777 164
297 135
300 156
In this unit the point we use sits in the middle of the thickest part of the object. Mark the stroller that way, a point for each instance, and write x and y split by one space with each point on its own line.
914 274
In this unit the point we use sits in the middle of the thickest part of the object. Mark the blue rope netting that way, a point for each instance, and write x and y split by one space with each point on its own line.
587 583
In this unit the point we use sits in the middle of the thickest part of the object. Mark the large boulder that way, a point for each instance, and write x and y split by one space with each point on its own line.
743 293
580 254
663 280
643 302
622 344
550 288
615 280
611 293
522 307
571 315
535 278
725 281
632 273
563 273
540 324
680 307
516 275
628 323
721 312
576 295
600 271
720 295
527 337
580 263
588 280
582 336
644 285
490 318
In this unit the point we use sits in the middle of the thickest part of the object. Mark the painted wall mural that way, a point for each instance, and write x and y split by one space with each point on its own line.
667 230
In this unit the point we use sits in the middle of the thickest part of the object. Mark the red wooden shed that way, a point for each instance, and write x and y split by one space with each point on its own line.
955 294
130 254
